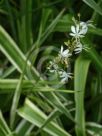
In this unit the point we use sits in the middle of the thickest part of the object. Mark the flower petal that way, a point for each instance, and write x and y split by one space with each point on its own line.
84 28
65 52
72 34
83 31
63 80
73 29
77 28
77 52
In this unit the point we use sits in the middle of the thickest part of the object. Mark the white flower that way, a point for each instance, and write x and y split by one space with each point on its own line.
64 76
78 48
53 67
64 53
84 28
79 30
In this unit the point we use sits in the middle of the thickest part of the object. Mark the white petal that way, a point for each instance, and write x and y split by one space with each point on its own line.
65 53
80 35
77 28
79 45
72 34
78 49
73 29
84 28
83 31
82 23
77 52
52 71
69 76
64 80
60 72
69 54
61 49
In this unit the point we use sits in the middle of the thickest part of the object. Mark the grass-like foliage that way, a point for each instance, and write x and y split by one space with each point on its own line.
50 68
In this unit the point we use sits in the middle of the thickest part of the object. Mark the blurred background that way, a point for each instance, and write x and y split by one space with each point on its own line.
31 103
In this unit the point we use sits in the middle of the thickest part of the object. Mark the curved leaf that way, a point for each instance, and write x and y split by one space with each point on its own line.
80 71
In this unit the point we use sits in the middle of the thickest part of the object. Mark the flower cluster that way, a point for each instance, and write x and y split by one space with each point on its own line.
61 63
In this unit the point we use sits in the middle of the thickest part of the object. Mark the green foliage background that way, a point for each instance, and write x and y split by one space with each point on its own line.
29 104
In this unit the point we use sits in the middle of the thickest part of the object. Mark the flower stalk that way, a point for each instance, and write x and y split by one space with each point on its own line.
62 62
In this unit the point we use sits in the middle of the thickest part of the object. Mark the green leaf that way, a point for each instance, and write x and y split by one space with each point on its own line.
95 31
25 31
80 72
94 128
12 83
8 72
55 102
94 6
24 128
64 24
8 86
51 27
33 114
52 116
4 129
43 36
14 54
93 54
11 16
15 102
